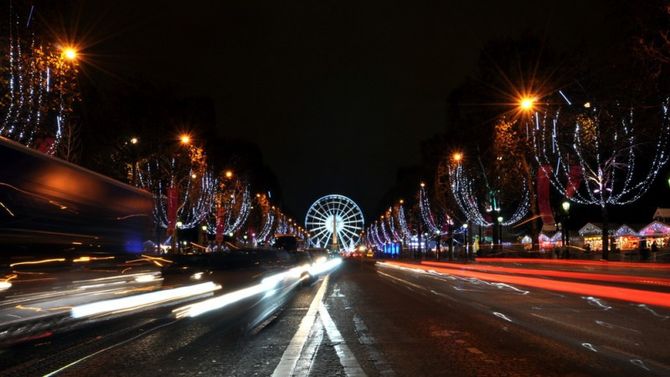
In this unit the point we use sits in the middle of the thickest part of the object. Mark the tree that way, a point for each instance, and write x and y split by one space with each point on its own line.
39 79
604 148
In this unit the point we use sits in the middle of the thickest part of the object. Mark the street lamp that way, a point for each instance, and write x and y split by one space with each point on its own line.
185 139
69 53
466 241
134 140
229 174
500 220
457 157
178 225
527 103
566 206
566 234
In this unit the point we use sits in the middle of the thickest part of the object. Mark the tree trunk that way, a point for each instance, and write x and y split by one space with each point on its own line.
606 233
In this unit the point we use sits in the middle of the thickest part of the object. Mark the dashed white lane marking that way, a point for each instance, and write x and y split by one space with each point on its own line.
347 359
289 359
368 342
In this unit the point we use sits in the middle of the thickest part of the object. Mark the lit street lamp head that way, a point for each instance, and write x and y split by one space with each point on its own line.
134 140
229 173
185 139
457 157
566 206
527 103
69 53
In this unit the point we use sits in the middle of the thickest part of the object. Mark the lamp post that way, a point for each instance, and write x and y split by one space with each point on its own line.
175 241
466 241
566 235
133 147
500 220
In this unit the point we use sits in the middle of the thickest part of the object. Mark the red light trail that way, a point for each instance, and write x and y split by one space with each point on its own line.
616 293
665 282
651 266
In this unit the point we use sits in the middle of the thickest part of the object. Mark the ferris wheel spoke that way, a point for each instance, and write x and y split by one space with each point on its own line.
321 233
324 210
340 237
350 210
318 219
317 213
352 233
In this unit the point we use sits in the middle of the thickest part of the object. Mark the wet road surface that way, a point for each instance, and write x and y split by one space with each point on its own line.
379 320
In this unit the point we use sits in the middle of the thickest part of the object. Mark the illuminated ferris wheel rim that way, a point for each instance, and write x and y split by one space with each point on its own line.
338 209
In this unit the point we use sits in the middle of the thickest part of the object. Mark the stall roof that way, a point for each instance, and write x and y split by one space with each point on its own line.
656 228
662 214
594 229
625 230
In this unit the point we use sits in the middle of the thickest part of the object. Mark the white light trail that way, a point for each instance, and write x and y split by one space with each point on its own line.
143 300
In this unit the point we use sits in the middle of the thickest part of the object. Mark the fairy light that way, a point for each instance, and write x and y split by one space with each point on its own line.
606 157
427 214
195 196
236 203
268 219
41 89
386 237
462 188
402 221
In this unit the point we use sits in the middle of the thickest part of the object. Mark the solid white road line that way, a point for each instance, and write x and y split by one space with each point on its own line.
306 360
289 359
347 359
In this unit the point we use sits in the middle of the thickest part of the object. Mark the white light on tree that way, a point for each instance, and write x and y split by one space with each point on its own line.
166 175
472 205
596 156
39 88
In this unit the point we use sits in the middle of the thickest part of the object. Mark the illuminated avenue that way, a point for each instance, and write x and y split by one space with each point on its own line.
335 188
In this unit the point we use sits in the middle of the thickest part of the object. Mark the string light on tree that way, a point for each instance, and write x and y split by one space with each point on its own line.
170 178
601 148
464 193
41 87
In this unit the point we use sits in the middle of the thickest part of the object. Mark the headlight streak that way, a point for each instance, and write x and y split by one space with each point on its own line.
267 286
143 300
585 289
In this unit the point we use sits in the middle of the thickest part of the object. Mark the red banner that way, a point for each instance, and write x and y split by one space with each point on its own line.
172 206
543 203
219 224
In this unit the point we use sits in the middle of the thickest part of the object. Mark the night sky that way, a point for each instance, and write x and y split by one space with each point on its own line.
337 94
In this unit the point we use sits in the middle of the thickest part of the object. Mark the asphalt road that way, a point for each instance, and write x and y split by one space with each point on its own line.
367 319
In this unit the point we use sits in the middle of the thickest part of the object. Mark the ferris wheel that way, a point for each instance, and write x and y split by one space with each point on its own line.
334 220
